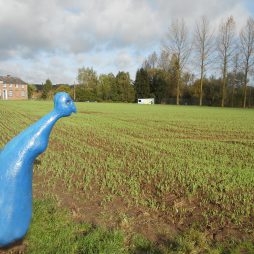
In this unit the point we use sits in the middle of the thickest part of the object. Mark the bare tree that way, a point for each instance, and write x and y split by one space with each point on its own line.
203 45
179 47
146 65
247 48
153 59
235 71
164 60
225 50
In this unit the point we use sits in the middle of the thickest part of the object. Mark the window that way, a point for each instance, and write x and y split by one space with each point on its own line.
22 86
10 85
22 93
17 86
10 93
4 85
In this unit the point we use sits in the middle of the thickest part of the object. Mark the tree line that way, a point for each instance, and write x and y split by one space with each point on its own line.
167 75
206 67
90 87
105 87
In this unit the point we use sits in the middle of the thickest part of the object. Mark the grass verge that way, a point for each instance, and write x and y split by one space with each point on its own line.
53 231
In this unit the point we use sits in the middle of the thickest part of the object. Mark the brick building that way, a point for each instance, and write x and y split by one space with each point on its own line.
12 88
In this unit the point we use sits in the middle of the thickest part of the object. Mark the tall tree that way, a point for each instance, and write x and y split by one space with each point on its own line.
150 62
106 82
247 49
235 71
64 88
225 50
126 92
142 84
47 87
203 45
164 60
88 79
160 86
153 58
31 89
179 46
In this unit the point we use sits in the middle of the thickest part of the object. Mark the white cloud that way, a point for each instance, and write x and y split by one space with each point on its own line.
52 38
123 60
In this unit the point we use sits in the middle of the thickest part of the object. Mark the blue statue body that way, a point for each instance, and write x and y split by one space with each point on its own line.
16 171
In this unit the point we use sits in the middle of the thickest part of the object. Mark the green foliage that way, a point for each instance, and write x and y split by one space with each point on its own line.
192 241
211 91
107 87
87 77
30 90
53 231
124 89
85 94
88 82
102 241
142 84
47 88
161 84
140 244
64 88
239 248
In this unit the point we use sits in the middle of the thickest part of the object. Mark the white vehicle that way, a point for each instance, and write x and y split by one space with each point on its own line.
146 101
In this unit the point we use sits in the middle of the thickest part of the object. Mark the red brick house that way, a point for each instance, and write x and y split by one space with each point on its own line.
12 88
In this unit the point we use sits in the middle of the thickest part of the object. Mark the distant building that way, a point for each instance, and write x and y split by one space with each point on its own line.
146 101
12 88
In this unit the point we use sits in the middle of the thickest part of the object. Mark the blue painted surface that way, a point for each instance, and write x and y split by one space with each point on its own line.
16 171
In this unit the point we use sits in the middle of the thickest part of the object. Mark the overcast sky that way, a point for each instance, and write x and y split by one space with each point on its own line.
53 38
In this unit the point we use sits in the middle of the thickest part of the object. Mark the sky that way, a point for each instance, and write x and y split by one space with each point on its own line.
54 38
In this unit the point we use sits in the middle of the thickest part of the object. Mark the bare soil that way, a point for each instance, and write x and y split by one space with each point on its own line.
156 226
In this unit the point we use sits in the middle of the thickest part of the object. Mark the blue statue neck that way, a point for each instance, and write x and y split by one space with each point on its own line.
41 131
44 125
34 140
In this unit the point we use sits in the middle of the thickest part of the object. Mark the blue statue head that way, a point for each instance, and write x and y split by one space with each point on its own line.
64 104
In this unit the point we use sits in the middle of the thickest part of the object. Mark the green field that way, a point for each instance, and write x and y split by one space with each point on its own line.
175 175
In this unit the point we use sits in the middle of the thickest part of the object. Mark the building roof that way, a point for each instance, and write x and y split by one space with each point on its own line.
11 80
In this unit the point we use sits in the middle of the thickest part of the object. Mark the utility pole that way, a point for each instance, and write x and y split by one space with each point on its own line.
249 96
74 94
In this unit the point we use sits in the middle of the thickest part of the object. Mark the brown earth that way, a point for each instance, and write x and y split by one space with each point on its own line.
17 248
117 213
91 208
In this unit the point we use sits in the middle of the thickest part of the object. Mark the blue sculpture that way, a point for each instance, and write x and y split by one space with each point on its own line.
16 171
